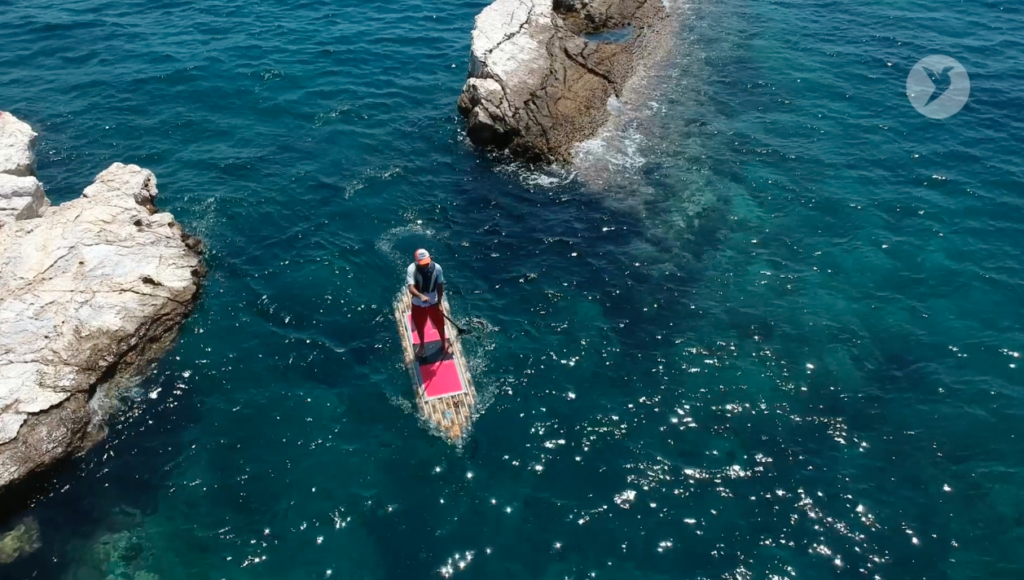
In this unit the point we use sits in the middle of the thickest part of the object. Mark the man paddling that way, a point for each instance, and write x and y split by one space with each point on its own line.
426 284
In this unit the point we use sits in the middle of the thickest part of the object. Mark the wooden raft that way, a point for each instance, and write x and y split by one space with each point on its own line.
449 413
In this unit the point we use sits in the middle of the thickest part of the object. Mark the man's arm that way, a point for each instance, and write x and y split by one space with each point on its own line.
417 293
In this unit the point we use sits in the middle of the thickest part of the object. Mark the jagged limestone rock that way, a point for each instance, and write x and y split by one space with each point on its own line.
17 146
21 198
91 292
21 195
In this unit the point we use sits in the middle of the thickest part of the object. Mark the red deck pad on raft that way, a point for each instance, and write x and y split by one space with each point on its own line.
430 334
439 378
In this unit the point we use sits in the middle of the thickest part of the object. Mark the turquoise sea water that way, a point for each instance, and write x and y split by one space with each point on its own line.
768 327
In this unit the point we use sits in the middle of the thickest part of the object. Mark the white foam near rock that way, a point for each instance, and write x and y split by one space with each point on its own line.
90 292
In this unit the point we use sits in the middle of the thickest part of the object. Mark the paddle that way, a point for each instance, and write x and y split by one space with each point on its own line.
461 330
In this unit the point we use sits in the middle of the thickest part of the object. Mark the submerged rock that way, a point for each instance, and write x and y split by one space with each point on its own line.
90 294
117 555
20 541
536 86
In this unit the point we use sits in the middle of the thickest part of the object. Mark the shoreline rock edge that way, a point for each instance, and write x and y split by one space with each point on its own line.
92 292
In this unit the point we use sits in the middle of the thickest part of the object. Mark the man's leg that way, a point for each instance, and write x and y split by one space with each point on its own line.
437 317
419 323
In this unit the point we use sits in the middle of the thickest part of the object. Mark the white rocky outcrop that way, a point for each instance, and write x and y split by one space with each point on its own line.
509 61
536 86
17 146
509 44
21 195
21 198
90 293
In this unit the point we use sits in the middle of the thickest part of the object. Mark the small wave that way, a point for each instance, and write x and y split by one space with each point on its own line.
674 7
617 148
386 242
269 74
535 177
331 115
382 173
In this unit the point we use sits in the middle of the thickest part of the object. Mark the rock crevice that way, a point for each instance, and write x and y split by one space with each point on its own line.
91 292
536 85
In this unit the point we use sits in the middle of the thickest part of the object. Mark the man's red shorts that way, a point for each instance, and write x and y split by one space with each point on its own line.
420 314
